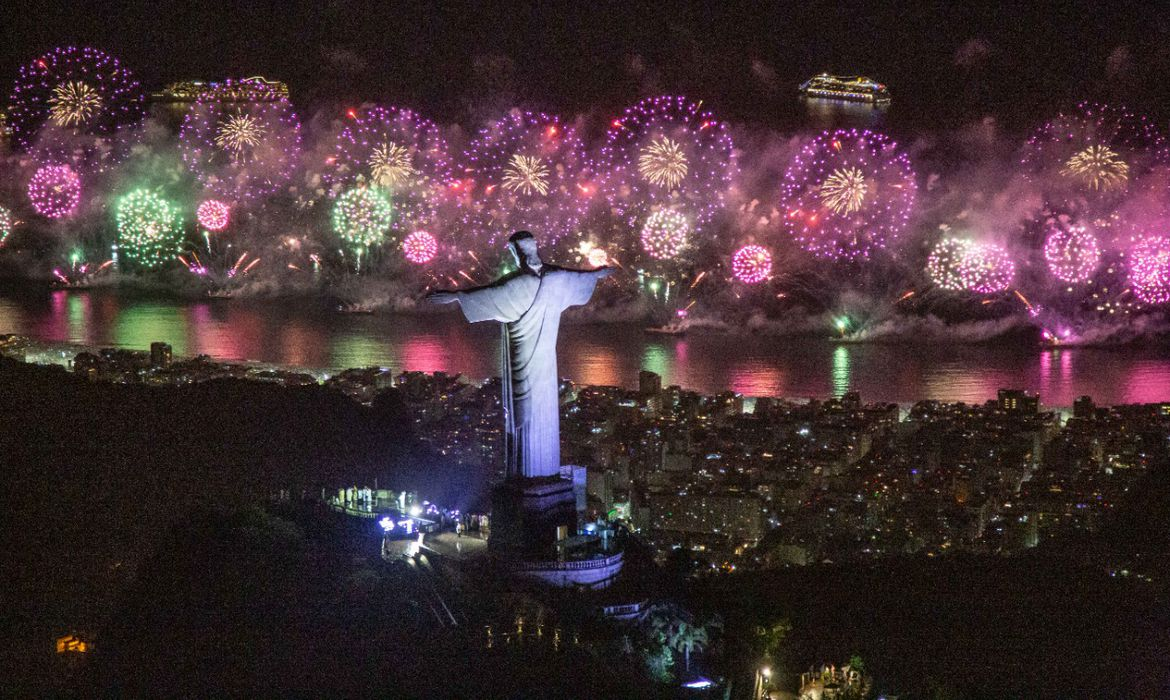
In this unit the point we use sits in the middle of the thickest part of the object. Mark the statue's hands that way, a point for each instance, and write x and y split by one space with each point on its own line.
442 297
603 272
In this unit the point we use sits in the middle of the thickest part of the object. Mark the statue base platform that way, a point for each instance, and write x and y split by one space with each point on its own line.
527 514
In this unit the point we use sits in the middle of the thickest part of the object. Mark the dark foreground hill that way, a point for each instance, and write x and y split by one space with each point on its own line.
95 475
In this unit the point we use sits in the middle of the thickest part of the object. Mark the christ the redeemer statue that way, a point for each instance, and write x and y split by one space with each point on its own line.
528 303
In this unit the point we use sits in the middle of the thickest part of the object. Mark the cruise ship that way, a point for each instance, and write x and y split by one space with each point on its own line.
857 88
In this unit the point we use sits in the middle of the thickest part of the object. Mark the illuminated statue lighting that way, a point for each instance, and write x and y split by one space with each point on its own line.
1098 167
663 163
844 190
74 103
239 133
526 174
390 165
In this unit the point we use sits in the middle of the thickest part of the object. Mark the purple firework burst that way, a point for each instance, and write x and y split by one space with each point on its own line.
66 104
667 153
398 151
1095 152
1072 253
241 143
1149 269
55 191
848 194
524 171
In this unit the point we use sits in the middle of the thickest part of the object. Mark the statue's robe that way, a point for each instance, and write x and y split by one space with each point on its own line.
529 306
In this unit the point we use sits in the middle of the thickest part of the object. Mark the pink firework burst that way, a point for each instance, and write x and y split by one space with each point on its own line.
55 191
665 233
526 170
751 264
848 194
397 151
241 139
1149 269
419 247
212 214
1072 253
667 152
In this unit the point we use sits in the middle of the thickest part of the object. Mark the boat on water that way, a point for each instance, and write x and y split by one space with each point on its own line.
672 328
855 88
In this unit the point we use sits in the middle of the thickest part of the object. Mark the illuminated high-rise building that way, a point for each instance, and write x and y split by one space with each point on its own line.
1018 401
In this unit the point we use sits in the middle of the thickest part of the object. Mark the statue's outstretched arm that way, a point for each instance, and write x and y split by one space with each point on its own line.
446 296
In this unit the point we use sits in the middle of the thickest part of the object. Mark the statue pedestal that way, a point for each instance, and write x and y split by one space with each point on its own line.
527 512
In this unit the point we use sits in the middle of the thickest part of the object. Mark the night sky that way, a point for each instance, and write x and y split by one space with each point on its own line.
942 61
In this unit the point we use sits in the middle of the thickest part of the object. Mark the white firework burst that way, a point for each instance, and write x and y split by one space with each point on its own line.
844 190
526 174
239 133
663 163
74 103
390 165
1099 167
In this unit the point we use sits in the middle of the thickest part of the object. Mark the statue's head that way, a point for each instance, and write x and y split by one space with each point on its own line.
523 246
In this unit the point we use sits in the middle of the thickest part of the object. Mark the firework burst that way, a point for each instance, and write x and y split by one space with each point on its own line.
1096 152
241 149
149 229
81 88
848 194
666 152
957 264
419 247
751 264
663 163
212 214
526 170
664 235
526 175
843 191
6 225
55 191
1072 253
1149 270
986 268
66 104
1099 168
362 217
74 103
390 166
397 151
239 135
944 265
